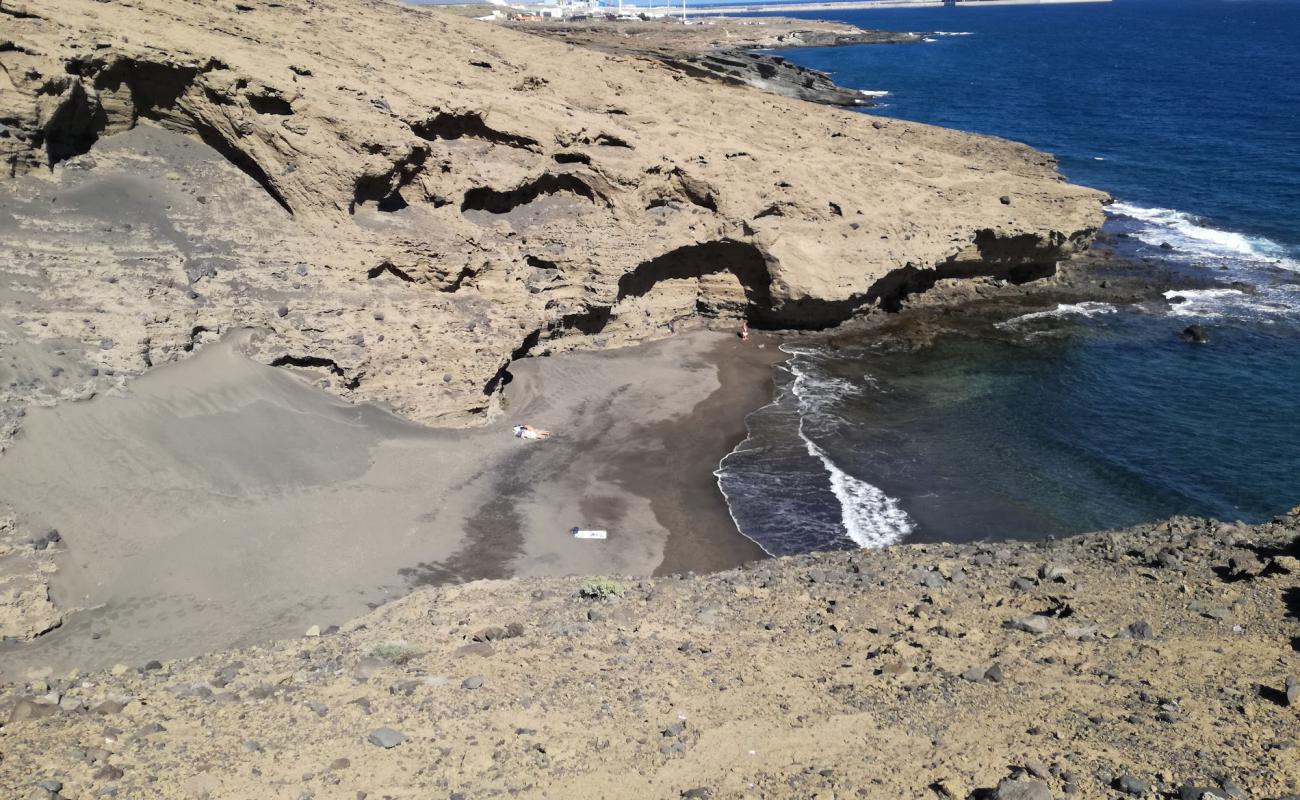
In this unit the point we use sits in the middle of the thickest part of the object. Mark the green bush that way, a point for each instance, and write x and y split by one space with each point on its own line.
394 652
600 588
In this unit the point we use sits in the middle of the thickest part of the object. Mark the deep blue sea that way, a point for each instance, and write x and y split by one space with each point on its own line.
1083 417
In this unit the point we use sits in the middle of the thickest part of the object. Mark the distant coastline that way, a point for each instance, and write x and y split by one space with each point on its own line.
856 5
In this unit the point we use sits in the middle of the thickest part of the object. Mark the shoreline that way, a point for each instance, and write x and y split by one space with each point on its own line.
500 513
731 50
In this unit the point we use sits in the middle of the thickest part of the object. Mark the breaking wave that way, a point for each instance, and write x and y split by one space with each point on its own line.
1084 309
785 489
1190 235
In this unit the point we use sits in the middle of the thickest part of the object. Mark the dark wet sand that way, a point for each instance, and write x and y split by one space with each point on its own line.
682 488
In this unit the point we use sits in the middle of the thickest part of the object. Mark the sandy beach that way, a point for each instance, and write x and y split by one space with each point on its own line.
262 505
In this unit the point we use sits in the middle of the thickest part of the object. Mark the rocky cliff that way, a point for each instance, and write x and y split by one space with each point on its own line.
403 202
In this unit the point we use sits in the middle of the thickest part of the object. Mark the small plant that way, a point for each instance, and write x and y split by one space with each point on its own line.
600 588
394 652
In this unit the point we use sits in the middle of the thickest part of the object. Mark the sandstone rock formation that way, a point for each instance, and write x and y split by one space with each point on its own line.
407 201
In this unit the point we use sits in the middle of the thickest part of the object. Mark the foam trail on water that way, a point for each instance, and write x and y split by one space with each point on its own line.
870 517
1188 234
1084 309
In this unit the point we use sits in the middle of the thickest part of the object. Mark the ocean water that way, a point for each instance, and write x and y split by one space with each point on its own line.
1088 416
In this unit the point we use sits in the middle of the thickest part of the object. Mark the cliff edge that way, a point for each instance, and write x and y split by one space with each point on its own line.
402 202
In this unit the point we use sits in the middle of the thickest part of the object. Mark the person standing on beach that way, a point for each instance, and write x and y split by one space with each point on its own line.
744 329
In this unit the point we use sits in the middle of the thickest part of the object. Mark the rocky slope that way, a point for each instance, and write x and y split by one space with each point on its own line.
1156 662
403 202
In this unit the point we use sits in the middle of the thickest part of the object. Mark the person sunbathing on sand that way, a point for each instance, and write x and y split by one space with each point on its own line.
529 432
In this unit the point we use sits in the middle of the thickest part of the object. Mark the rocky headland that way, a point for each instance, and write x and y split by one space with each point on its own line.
725 48
405 220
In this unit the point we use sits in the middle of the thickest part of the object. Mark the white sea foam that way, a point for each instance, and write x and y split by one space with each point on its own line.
1084 309
928 39
874 92
870 517
1266 303
953 33
1187 234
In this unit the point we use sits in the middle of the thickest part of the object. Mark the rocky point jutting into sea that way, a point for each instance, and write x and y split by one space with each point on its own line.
259 258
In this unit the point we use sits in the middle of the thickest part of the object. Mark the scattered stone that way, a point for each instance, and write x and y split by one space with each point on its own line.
1053 572
676 729
1033 623
386 738
312 632
1292 691
26 709
370 666
1140 630
1289 565
1129 784
1081 633
1195 334
1244 566
1039 770
472 682
1021 789
1023 584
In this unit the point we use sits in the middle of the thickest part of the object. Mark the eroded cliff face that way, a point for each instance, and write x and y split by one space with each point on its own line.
403 202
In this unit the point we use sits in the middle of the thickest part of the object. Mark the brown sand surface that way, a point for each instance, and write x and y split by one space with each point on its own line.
261 505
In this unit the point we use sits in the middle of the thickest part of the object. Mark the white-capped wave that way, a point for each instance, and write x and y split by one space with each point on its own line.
870 517
874 92
928 39
1265 302
1084 309
953 33
1186 233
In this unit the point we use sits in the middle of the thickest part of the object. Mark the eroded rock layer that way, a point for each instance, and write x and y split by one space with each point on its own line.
404 201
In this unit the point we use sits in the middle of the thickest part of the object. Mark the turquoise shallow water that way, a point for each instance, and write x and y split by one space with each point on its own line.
1083 417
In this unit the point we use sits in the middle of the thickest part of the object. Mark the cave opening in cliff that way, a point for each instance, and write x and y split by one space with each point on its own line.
731 279
493 201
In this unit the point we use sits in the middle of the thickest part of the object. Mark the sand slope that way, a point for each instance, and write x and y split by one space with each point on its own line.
221 502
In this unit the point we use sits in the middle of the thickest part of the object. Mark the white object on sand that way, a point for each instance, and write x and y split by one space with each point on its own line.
525 432
581 534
